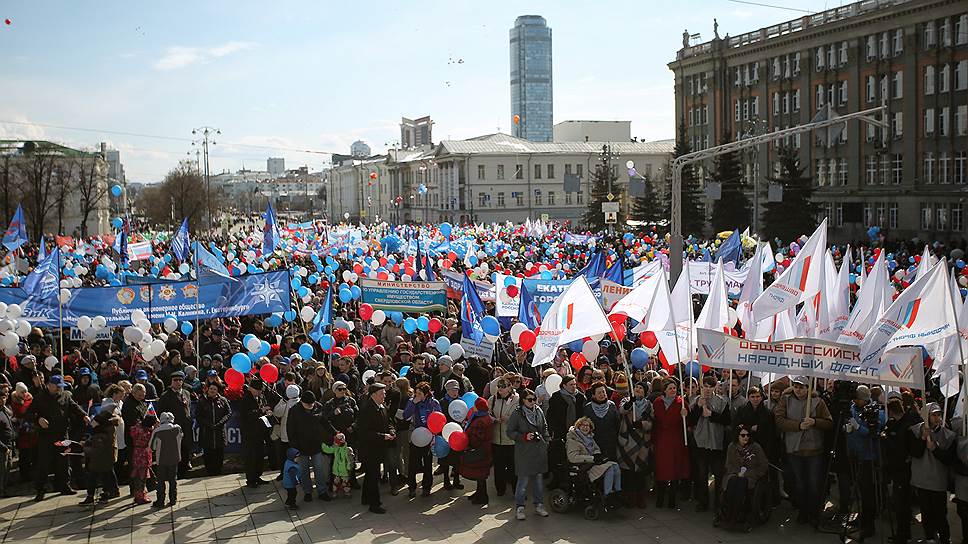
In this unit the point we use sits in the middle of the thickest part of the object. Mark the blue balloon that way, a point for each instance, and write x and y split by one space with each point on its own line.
187 327
423 323
396 317
640 357
404 371
117 222
355 292
442 343
693 369
491 325
116 191
265 349
313 279
345 295
289 315
306 351
302 291
446 228
960 263
295 283
509 281
410 325
441 447
546 275
469 398
245 340
241 363
326 342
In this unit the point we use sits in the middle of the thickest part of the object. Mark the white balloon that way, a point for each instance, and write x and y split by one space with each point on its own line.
253 345
77 282
6 325
553 384
456 351
303 272
406 277
450 428
378 317
590 349
143 324
307 314
50 362
83 323
10 340
23 328
137 315
65 295
457 409
308 298
354 277
99 322
347 274
3 308
14 311
132 335
64 283
516 331
158 346
171 324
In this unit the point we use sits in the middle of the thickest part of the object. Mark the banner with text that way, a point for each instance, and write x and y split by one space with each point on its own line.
544 292
484 351
901 367
701 276
405 296
612 293
507 295
455 286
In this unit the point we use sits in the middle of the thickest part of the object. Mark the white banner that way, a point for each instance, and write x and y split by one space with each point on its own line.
485 350
612 293
810 357
701 276
507 296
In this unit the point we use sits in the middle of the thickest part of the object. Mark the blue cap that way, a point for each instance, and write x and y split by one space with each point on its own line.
212 373
57 380
141 374
85 372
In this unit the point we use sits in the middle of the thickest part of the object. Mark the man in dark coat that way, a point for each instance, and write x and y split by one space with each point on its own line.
307 430
177 400
564 408
212 414
252 413
51 411
374 433
478 373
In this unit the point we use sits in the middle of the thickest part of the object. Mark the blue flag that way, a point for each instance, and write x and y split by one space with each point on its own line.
16 234
121 243
179 244
528 309
616 272
44 280
270 232
731 250
423 263
471 313
42 250
594 269
323 318
208 263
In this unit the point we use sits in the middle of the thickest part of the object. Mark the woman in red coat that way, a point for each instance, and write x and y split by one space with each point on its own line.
671 453
475 463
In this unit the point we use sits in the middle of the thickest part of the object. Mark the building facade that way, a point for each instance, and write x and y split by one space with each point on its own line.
416 132
276 166
531 79
359 149
593 131
910 178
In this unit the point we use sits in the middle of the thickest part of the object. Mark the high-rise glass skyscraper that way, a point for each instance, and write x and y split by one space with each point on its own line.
531 85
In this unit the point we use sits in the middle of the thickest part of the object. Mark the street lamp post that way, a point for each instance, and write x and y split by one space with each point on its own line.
207 132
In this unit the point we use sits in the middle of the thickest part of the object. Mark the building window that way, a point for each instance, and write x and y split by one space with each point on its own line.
776 103
519 198
776 68
500 200
820 58
957 223
885 169
960 158
961 31
892 215
944 79
796 100
879 215
500 171
943 167
537 171
480 171
537 197
579 199
518 171
755 106
551 171
943 122
568 199
746 110
842 171
898 81
839 215
796 64
945 34
929 34
871 48
871 89
820 96
884 88
941 210
551 198
961 74
868 216
897 125
885 51
568 169
832 94
898 41
929 121
843 92
831 57
929 80
928 172
961 120
871 169
898 170
482 200
843 53
925 216
820 172
578 171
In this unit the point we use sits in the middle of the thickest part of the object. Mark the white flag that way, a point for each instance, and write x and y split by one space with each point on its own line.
873 299
927 261
839 300
798 282
574 315
715 314
648 304
751 289
921 314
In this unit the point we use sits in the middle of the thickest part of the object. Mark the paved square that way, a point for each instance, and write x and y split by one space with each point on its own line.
221 509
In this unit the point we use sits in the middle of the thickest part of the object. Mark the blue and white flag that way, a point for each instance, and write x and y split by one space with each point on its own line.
121 243
471 313
528 312
594 269
42 250
616 272
179 244
44 280
16 234
323 318
209 263
270 232
731 250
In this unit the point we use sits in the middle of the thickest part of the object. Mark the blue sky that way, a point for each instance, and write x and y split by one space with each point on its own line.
319 75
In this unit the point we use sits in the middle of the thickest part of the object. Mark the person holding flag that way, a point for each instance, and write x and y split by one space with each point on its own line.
52 410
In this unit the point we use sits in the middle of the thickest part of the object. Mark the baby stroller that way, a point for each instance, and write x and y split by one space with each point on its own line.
754 508
578 489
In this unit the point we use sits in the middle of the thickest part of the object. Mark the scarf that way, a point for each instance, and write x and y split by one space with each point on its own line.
600 408
570 412
667 401
638 408
531 414
586 440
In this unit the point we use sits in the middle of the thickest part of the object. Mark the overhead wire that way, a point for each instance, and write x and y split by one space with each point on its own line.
765 5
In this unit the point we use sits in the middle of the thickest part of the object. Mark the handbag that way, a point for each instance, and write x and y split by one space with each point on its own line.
473 455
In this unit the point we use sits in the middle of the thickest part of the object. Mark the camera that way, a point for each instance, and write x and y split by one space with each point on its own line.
870 415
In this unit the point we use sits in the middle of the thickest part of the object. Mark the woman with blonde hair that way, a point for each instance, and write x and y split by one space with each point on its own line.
582 449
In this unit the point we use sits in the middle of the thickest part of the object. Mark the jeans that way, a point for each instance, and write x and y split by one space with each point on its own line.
322 465
537 490
934 514
807 478
612 479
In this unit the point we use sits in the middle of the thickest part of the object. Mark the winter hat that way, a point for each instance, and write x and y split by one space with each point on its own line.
451 385
339 439
167 417
292 392
292 453
191 370
308 397
621 382
20 388
480 404
337 384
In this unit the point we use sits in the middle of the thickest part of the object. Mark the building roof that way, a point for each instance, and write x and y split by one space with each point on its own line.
504 144
19 147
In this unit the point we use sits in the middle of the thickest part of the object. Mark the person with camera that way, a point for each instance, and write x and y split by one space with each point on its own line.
929 473
528 428
897 461
863 428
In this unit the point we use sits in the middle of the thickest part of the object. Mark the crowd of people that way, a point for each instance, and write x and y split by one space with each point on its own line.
329 425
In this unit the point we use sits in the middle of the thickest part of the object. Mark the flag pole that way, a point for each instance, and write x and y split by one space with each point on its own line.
685 437
60 320
964 370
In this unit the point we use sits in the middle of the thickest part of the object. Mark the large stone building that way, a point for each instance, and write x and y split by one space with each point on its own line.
911 55
491 178
62 190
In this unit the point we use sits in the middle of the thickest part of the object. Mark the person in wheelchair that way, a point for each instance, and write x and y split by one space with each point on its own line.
582 450
746 464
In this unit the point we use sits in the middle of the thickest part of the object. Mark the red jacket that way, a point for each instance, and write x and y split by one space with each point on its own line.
671 453
479 435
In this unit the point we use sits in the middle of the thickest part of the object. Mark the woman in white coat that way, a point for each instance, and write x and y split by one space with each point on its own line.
582 449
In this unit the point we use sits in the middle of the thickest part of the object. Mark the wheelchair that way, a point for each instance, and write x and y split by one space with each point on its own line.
756 509
578 489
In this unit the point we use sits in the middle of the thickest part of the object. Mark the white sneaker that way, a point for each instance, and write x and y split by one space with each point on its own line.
520 513
540 510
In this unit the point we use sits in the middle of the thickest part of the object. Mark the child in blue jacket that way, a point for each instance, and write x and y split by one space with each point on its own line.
290 477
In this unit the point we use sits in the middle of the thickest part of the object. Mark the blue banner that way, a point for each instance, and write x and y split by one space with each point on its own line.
455 286
404 296
579 239
245 295
544 292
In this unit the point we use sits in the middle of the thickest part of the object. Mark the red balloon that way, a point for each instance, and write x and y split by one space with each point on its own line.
358 268
435 325
369 341
451 256
382 276
649 340
436 422
618 331
350 351
617 319
577 361
234 378
365 312
336 351
513 290
527 340
457 441
447 264
269 373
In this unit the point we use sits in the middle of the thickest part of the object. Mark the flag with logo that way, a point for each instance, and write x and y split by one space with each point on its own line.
208 263
616 272
528 312
42 250
270 231
595 268
471 312
16 234
179 244
874 297
43 281
574 315
922 314
797 283
324 317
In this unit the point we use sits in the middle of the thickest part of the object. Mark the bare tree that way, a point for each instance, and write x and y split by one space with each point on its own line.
63 183
39 196
181 194
8 190
92 188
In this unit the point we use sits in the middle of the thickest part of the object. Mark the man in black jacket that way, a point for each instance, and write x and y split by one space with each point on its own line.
212 414
307 430
177 400
51 411
479 373
373 434
8 441
895 436
252 424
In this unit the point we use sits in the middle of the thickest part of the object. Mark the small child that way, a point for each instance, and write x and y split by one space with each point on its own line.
343 461
141 457
290 477
101 451
166 444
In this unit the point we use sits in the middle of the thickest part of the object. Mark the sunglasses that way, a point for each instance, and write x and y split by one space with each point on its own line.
744 435
341 389
530 399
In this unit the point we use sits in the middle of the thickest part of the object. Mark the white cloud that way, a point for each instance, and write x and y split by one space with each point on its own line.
181 56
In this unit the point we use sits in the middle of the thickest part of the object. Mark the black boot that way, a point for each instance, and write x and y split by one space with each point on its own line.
673 488
660 493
